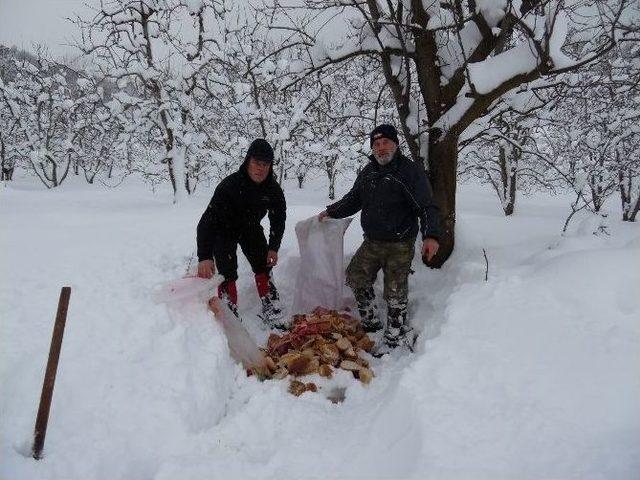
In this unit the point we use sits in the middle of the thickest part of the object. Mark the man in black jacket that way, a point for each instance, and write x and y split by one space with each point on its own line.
233 217
393 193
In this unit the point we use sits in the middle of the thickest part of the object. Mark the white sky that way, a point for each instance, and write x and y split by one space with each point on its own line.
25 22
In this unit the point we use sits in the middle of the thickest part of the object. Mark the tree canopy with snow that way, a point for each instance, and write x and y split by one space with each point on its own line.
449 63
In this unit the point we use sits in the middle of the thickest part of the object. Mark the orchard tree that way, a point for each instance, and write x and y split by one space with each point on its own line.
38 106
598 125
9 139
339 123
155 51
448 59
497 162
625 70
494 154
100 137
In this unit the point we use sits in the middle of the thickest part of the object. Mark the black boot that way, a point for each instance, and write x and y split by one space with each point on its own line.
368 309
398 331
272 315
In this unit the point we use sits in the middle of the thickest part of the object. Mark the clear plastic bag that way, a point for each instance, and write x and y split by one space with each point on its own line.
183 291
242 347
320 280
186 297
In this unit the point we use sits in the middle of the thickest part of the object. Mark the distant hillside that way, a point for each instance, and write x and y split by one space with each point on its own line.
8 56
8 70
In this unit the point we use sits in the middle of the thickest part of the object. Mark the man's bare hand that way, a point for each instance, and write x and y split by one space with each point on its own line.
322 215
272 258
430 247
206 269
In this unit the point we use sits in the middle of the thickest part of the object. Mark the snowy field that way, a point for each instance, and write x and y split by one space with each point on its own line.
533 374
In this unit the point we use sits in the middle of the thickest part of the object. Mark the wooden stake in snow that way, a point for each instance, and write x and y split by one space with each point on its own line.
50 374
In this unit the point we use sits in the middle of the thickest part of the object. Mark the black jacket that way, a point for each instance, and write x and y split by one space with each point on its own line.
238 204
392 198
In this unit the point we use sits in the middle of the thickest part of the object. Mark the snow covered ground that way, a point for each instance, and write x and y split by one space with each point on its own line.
533 374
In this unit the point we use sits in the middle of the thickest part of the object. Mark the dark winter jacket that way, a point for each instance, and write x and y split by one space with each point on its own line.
392 199
238 204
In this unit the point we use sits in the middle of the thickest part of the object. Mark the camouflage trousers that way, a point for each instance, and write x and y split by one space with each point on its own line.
394 258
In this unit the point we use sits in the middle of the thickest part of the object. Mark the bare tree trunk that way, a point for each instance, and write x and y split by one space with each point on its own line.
443 161
628 212
6 172
634 211
595 184
54 173
624 199
330 169
172 176
511 204
129 157
187 183
508 175
2 158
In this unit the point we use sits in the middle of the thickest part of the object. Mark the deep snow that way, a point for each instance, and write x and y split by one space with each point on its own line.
532 374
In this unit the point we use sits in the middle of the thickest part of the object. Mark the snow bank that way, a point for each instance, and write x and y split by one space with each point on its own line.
531 374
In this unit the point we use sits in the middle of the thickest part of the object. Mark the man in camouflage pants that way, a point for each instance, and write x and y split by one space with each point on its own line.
393 192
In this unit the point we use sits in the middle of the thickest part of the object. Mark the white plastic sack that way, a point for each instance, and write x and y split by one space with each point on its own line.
320 279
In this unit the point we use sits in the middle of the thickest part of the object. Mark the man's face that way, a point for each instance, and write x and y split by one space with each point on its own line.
258 170
383 150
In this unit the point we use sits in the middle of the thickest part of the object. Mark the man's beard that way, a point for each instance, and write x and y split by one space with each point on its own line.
384 159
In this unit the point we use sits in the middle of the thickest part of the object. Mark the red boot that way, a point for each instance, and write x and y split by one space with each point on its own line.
228 292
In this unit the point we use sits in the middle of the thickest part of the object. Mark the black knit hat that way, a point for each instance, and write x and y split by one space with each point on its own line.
260 150
384 131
